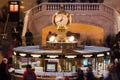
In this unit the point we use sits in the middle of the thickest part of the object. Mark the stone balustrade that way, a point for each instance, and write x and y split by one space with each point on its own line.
76 9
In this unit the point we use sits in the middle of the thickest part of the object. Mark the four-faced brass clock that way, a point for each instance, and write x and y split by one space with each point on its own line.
61 19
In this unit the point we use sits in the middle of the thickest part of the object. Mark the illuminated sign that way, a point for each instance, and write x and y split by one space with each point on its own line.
14 10
13 6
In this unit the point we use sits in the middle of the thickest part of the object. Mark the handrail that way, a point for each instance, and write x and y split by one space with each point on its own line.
92 9
6 23
4 35
72 6
80 9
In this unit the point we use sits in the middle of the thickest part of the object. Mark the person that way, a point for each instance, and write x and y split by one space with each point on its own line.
118 69
29 38
4 74
115 69
48 36
15 37
89 74
80 74
29 74
107 76
107 73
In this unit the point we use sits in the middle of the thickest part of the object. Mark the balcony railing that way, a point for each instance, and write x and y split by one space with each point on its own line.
74 8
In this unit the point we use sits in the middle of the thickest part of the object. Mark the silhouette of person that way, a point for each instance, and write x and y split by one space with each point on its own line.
80 74
89 75
48 36
29 38
4 74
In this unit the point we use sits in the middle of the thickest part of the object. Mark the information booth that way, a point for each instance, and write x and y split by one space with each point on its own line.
50 63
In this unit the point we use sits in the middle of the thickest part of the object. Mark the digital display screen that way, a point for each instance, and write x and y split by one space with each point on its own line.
51 67
85 62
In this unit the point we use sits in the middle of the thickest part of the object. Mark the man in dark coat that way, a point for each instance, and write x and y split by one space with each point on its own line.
80 74
4 74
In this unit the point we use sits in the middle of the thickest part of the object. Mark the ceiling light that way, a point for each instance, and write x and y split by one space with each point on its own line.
87 55
14 53
33 55
52 56
71 56
108 53
100 55
22 54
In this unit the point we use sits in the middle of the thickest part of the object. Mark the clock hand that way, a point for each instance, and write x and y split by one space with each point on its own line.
59 20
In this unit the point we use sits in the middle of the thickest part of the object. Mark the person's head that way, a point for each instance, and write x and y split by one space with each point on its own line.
5 60
49 32
110 67
89 69
116 60
28 66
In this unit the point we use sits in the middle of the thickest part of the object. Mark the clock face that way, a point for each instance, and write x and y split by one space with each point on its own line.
61 20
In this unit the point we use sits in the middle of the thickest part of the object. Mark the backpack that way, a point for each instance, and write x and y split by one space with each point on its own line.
30 76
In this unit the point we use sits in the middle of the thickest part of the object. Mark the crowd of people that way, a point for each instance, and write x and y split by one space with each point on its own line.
113 72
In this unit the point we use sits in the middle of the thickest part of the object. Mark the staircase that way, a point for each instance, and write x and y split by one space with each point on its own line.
7 35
